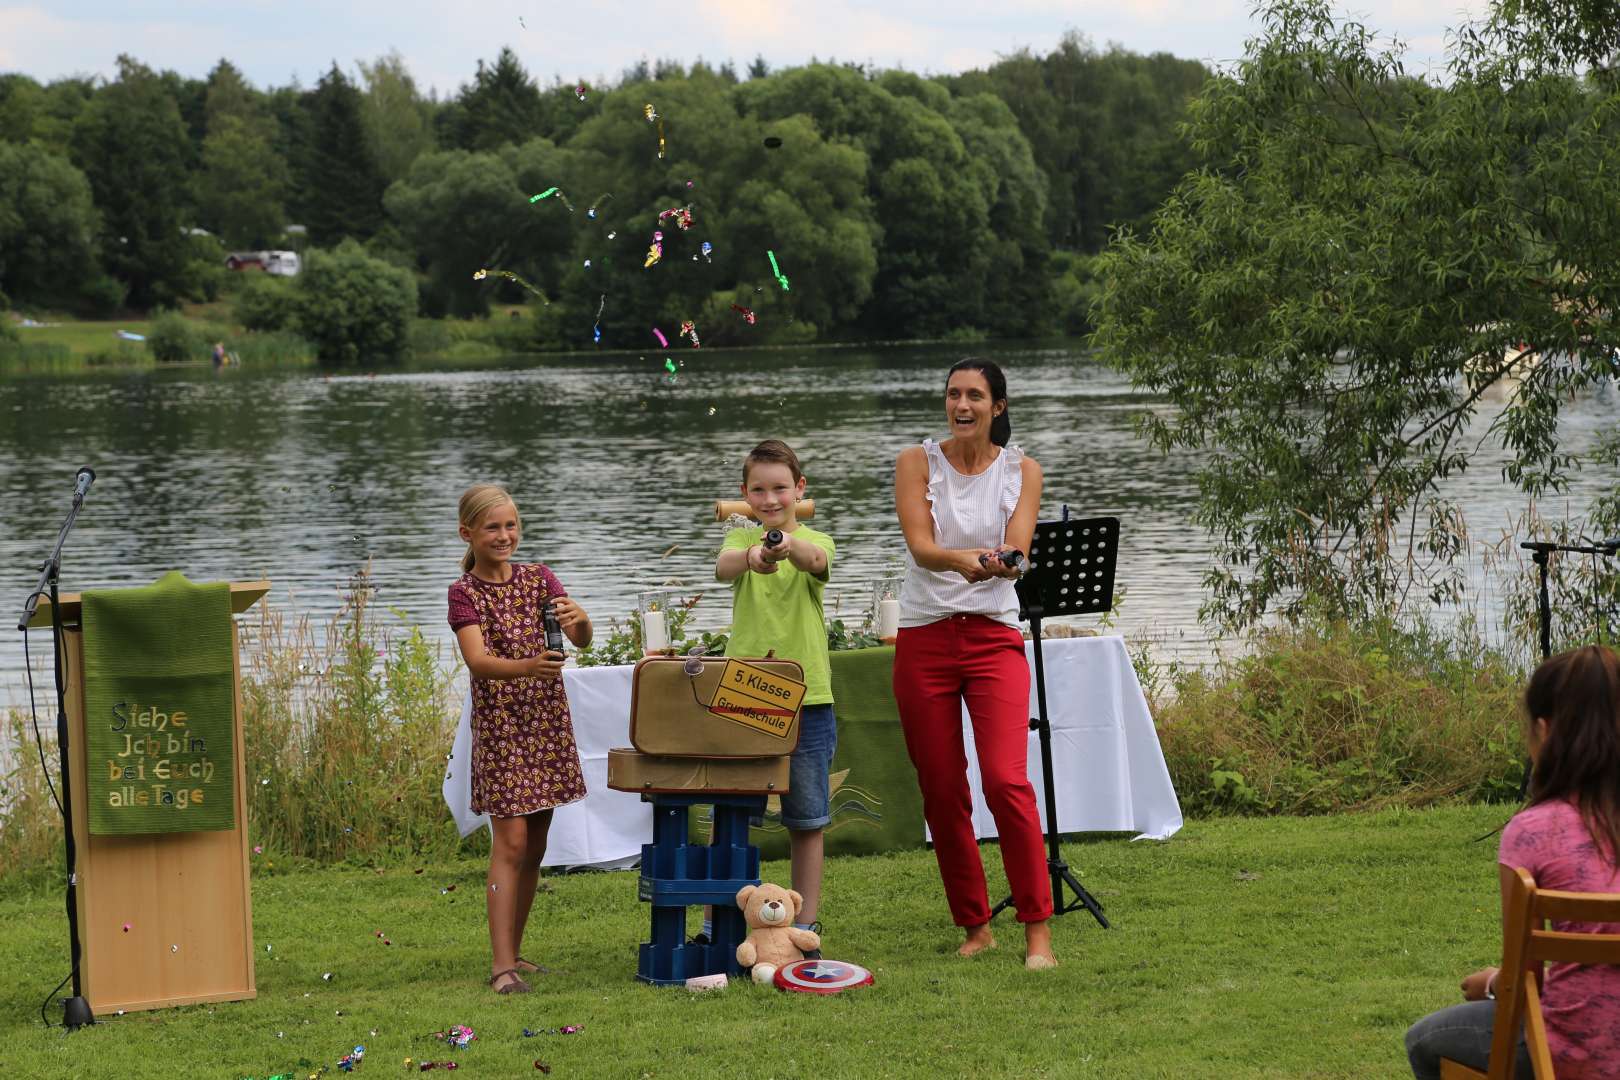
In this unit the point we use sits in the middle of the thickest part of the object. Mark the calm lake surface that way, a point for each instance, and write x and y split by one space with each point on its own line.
300 478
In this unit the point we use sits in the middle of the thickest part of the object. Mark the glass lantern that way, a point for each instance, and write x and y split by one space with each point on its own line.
653 626
885 615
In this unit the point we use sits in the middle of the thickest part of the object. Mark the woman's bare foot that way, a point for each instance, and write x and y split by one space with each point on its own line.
979 938
1038 946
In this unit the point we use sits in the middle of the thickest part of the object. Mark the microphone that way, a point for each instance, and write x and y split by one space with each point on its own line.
86 475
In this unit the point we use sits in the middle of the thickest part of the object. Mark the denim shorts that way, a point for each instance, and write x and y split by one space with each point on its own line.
807 804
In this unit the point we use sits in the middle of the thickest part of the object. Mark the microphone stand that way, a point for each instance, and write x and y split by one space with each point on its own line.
1543 550
76 1011
1542 555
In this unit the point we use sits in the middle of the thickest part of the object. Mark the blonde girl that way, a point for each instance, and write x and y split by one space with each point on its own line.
524 762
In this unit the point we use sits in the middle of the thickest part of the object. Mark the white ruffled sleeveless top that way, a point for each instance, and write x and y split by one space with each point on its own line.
969 512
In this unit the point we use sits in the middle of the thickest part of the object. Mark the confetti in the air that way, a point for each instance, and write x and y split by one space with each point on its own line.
781 278
481 274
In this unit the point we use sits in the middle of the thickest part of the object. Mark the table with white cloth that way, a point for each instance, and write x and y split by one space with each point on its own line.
1108 769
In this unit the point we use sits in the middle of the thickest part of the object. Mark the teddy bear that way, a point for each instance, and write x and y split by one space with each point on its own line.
773 941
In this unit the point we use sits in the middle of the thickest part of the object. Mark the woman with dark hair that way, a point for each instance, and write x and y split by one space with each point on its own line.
1569 839
963 500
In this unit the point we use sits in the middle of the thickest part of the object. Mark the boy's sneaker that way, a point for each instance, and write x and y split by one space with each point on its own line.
814 954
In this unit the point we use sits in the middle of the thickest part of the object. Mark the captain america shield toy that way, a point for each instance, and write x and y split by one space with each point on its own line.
821 976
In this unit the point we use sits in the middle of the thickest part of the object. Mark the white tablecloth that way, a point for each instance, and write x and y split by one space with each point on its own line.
1107 767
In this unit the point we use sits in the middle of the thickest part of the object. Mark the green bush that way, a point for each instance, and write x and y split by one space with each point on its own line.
35 356
30 827
172 338
1334 718
346 736
1075 287
428 337
270 348
104 295
264 302
355 308
118 354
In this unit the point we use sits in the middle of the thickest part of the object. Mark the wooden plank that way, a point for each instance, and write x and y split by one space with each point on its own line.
244 594
103 1011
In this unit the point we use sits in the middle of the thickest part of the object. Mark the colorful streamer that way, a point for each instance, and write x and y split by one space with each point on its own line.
553 191
481 274
781 278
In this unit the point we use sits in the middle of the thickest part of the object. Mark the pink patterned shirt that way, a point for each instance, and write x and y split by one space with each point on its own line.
1581 1002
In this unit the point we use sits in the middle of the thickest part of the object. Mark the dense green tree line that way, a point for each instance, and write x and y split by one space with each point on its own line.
1364 267
897 206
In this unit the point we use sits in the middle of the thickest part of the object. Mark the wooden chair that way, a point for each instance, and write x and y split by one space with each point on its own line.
1526 946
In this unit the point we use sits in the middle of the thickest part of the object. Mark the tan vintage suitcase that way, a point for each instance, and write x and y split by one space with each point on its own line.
629 770
669 717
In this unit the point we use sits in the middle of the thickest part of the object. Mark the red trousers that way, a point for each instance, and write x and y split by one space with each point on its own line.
936 668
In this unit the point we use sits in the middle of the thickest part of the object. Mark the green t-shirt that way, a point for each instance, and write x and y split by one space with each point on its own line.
782 611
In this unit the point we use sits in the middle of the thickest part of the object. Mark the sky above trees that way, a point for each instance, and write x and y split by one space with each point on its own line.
273 43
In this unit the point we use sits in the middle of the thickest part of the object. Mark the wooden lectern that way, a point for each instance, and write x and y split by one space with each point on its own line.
165 919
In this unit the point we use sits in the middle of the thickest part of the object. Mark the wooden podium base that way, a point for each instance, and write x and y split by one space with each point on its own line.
165 919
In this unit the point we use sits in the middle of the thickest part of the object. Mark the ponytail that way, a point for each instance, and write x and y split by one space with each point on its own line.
1001 428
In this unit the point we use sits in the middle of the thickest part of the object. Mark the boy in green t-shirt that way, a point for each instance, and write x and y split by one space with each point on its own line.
776 604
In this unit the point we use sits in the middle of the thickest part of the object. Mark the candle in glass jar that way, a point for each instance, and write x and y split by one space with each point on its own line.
888 618
653 637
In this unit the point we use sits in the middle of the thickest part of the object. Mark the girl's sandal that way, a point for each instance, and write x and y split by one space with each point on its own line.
514 983
529 967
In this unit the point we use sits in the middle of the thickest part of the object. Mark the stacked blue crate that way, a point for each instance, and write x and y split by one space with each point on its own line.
676 874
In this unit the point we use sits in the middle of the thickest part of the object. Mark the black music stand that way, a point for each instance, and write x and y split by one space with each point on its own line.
1070 571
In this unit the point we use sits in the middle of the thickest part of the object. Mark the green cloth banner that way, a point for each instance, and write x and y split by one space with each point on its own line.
876 804
159 706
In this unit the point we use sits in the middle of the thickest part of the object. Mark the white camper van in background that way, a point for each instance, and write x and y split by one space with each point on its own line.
280 263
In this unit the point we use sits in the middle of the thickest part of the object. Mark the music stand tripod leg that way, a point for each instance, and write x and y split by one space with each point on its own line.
1055 866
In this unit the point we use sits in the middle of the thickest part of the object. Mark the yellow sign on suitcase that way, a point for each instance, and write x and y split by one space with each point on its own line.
757 698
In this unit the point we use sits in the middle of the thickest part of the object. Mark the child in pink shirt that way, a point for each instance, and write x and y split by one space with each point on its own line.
1569 839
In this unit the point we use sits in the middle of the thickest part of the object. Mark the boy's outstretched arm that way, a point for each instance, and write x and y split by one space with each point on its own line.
808 557
732 564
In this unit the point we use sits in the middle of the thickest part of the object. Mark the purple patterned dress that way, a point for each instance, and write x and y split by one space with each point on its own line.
523 754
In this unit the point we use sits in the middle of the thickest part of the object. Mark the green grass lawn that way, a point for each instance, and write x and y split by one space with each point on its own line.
1242 947
83 336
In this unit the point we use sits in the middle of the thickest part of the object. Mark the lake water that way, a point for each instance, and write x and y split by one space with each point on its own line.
300 477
